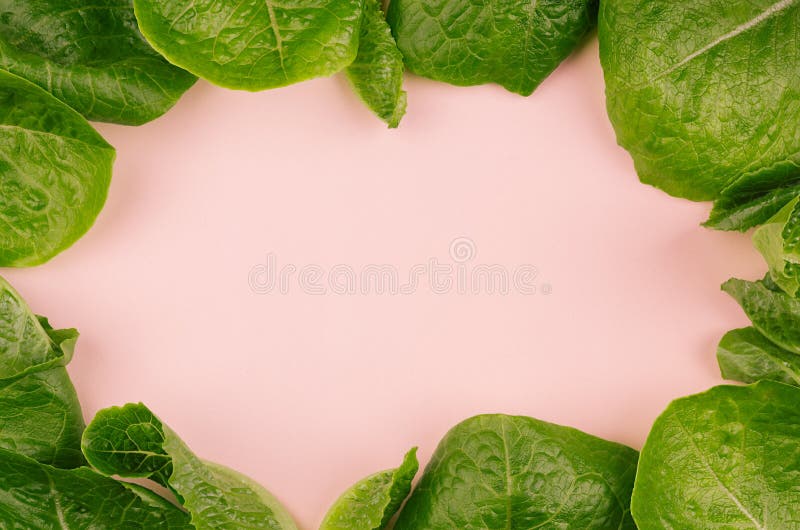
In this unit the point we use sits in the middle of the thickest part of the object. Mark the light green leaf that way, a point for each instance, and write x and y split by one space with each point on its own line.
131 441
773 313
748 356
54 174
498 472
514 44
778 240
40 415
372 502
253 44
728 458
377 72
704 93
37 496
90 55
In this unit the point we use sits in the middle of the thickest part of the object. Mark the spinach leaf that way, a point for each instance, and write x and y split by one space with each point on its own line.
748 356
372 502
726 458
704 93
377 72
514 44
40 415
778 240
90 55
131 441
253 44
33 495
499 472
773 313
55 170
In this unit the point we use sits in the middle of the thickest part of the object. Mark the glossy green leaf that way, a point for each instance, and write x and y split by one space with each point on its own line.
38 496
90 55
55 170
253 44
131 441
514 44
704 93
728 458
773 313
748 356
498 472
40 415
372 502
377 72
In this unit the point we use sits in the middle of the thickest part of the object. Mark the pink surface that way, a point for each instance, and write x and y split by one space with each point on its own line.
308 393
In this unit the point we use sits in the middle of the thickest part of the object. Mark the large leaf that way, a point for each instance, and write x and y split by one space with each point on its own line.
131 441
514 44
773 313
54 173
377 72
704 93
89 54
253 44
37 496
728 458
372 502
40 415
499 472
748 356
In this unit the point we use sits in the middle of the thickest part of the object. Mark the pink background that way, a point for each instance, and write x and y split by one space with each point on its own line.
309 393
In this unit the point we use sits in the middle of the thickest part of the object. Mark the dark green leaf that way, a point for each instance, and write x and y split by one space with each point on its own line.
40 415
748 356
773 313
745 213
704 93
54 174
37 496
372 502
90 55
728 458
253 44
514 44
499 472
131 441
377 72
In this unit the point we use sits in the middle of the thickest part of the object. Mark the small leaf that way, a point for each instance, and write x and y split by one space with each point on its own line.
131 441
748 356
372 502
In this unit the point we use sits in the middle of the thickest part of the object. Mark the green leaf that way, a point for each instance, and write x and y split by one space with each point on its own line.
704 93
744 213
727 458
131 442
778 240
748 356
377 72
498 472
372 502
773 313
33 495
253 44
514 44
90 55
40 415
55 170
